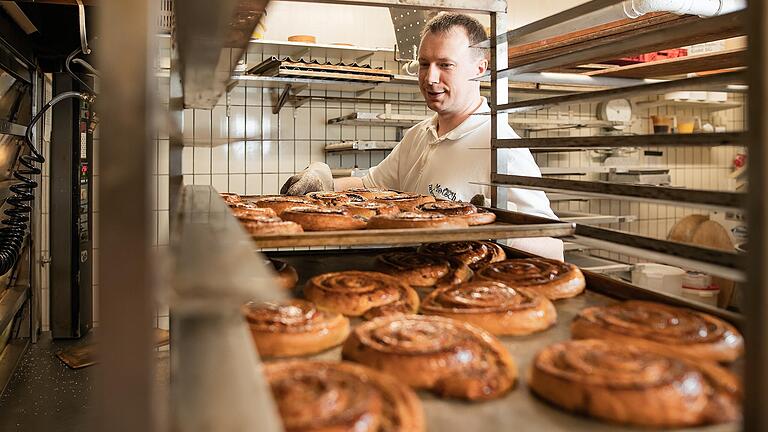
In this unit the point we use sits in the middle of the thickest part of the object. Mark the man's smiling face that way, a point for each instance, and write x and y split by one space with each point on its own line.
447 65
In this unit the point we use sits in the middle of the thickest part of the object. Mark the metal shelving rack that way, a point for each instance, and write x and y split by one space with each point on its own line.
209 43
694 30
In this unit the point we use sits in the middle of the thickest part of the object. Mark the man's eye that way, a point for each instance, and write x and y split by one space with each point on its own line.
423 65
446 65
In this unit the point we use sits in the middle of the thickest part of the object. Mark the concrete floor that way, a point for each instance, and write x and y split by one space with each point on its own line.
46 395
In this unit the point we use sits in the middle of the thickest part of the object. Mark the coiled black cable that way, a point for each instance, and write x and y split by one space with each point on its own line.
15 224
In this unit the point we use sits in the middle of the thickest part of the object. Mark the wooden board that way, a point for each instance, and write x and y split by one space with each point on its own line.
678 66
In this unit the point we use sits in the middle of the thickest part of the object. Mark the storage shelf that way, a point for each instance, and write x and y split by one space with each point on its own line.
718 81
593 219
663 35
710 106
678 66
296 50
644 193
616 141
378 119
346 146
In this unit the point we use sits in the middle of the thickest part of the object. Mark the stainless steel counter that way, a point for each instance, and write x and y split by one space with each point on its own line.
519 410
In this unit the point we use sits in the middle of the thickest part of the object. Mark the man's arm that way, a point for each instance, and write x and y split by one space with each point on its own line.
546 247
345 183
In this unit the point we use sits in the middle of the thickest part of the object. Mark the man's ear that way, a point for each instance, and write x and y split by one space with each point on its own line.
482 66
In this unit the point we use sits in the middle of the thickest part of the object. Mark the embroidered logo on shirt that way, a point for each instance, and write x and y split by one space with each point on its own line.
443 192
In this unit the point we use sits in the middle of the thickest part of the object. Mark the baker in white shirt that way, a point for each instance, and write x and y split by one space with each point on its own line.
443 156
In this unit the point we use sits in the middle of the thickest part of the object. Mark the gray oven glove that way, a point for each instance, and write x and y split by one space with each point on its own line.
316 177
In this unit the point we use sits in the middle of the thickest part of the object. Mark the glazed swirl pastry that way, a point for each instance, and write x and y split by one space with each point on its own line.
229 198
448 357
680 331
627 384
462 210
474 253
324 396
246 211
323 218
356 293
372 193
281 203
493 306
423 271
414 220
369 209
334 199
287 276
265 225
407 202
295 327
554 279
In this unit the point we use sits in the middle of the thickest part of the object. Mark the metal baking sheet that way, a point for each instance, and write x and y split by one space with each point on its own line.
507 225
517 411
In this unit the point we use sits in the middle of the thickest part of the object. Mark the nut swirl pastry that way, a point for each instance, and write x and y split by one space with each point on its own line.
555 279
334 199
265 225
448 357
407 202
323 218
474 253
677 330
287 276
324 396
462 210
294 327
281 203
414 220
628 384
372 193
423 271
362 293
493 306
369 209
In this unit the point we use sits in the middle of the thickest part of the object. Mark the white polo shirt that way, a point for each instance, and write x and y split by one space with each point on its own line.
444 166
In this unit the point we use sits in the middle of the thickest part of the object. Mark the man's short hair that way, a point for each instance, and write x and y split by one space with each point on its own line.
446 21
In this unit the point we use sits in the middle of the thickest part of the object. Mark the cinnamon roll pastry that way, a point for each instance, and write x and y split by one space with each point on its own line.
229 198
474 253
314 396
334 199
448 357
407 202
372 193
362 293
423 271
462 210
414 220
635 385
246 211
264 225
287 276
555 279
677 330
294 327
369 209
281 203
493 306
323 218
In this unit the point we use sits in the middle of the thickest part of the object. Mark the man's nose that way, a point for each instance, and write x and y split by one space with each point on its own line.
433 74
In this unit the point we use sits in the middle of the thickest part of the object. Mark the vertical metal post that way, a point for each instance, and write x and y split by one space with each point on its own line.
126 104
499 96
756 307
176 144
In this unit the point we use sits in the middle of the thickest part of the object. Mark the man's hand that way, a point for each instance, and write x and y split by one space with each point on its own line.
316 177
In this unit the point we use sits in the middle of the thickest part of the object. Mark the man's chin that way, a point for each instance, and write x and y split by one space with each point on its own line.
435 106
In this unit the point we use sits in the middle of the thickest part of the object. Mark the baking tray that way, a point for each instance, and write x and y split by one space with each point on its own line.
519 410
508 225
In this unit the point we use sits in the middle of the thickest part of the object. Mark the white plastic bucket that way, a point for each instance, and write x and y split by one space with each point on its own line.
658 277
698 287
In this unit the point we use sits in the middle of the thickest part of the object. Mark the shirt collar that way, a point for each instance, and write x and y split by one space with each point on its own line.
471 124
